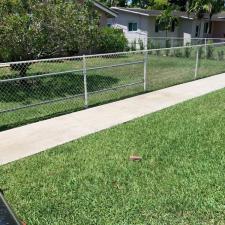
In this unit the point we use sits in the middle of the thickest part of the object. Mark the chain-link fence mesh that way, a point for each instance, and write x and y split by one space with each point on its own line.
173 66
168 42
211 60
122 75
33 90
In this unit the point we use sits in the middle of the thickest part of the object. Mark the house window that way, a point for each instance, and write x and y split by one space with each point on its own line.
132 26
197 30
109 25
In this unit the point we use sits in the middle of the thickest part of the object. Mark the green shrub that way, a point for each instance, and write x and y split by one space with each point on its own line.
133 46
158 52
178 52
210 51
201 52
168 45
141 44
150 44
157 46
25 37
187 51
221 55
127 49
111 40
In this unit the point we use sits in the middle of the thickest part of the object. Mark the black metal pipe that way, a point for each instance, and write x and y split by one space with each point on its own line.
7 216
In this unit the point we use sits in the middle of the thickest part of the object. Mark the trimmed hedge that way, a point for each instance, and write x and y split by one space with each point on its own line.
111 40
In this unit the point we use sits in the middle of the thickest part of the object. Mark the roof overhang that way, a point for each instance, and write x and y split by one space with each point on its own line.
186 17
218 19
152 13
108 11
129 11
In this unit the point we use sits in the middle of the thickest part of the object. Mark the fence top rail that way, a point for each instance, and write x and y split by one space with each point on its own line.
7 64
182 38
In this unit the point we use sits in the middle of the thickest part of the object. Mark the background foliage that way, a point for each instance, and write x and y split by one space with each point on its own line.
183 5
33 29
112 40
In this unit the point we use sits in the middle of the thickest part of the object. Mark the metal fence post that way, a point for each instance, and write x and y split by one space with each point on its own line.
196 64
171 42
205 48
145 69
85 82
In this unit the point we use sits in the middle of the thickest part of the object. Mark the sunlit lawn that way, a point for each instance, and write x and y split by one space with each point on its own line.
180 179
162 71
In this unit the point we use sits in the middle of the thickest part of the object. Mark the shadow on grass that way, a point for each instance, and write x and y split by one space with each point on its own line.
45 88
41 89
56 114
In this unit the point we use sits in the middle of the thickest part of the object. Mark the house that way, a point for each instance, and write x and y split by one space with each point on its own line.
104 12
140 24
218 26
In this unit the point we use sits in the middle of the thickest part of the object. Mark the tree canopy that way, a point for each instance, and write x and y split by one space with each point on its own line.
166 21
197 5
121 3
33 29
206 6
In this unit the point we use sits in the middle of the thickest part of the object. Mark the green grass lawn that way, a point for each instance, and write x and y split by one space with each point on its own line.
91 181
162 71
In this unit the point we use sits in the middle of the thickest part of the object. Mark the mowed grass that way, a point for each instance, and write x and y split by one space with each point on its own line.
180 179
162 71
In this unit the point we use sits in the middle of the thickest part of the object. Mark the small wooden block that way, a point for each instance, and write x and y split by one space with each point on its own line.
135 158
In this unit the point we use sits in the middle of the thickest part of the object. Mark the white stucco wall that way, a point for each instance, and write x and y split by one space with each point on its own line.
124 18
185 28
146 27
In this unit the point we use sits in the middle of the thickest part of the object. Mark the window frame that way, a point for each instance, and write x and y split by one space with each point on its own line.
132 27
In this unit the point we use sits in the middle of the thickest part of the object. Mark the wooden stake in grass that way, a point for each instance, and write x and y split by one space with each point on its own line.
135 158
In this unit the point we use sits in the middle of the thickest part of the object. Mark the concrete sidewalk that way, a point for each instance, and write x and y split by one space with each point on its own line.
31 139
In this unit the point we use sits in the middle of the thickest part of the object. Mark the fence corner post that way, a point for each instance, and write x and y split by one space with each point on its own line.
145 69
196 64
85 82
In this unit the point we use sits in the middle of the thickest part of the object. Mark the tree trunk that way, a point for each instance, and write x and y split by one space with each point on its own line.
209 25
22 69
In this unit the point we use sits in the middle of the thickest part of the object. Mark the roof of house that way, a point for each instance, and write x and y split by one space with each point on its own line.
181 14
107 10
146 12
219 16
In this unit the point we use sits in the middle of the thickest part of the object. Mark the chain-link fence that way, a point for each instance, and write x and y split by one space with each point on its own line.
168 42
38 89
32 90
